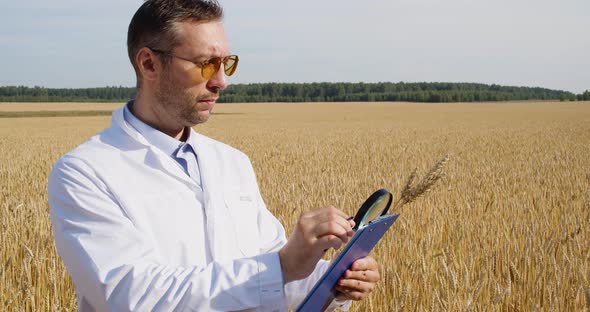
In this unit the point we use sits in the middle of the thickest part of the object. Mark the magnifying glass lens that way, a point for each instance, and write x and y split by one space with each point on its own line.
373 213
374 207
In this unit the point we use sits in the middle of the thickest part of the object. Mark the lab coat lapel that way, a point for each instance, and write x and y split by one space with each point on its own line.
173 168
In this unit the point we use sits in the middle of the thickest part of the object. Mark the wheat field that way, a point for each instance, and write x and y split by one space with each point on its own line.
506 229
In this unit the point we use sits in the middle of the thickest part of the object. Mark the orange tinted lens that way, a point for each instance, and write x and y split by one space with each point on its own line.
211 67
208 71
231 63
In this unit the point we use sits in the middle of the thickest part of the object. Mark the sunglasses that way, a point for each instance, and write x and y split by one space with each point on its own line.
211 66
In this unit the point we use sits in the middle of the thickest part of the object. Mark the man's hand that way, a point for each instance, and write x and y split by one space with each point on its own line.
358 281
315 232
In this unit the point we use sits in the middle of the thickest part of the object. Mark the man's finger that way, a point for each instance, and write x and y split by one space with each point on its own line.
338 228
367 276
364 264
329 241
356 285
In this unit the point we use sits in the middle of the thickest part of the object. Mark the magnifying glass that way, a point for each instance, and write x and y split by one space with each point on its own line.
374 207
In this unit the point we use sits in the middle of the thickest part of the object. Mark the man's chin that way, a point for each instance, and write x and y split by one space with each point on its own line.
201 117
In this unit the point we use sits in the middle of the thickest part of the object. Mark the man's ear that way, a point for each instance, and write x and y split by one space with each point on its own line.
148 63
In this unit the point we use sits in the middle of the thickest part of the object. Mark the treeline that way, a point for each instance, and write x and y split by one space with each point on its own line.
387 91
313 92
41 94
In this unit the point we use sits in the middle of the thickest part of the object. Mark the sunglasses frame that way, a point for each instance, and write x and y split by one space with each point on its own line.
215 61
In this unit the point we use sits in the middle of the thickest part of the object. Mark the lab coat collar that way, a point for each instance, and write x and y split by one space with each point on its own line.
118 122
155 137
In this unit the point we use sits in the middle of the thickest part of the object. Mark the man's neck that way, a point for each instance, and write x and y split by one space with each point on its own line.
146 110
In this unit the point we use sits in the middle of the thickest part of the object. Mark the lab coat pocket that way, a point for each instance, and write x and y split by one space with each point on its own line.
244 214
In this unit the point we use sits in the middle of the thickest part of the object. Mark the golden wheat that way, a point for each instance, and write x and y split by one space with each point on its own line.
508 227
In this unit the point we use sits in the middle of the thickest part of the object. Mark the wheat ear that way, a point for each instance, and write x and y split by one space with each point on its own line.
412 191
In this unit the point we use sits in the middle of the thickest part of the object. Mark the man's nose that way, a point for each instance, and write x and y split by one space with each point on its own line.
219 80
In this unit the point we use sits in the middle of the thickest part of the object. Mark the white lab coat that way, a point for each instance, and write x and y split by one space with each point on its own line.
128 224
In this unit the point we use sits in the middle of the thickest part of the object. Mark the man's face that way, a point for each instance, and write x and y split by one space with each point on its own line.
181 91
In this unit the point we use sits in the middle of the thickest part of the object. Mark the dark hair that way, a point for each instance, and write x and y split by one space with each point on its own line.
154 24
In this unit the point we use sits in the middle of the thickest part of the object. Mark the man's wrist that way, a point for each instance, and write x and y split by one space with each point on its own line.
284 267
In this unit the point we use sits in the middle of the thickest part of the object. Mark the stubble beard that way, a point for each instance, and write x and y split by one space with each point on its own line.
180 103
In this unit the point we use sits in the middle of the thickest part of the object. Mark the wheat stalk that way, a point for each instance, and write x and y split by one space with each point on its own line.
412 191
508 281
478 287
515 275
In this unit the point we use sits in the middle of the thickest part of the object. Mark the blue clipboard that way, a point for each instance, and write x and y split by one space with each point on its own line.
359 246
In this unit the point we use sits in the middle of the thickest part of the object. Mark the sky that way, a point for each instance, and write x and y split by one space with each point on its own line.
535 43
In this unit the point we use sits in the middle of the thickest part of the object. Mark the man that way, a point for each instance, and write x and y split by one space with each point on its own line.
150 215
